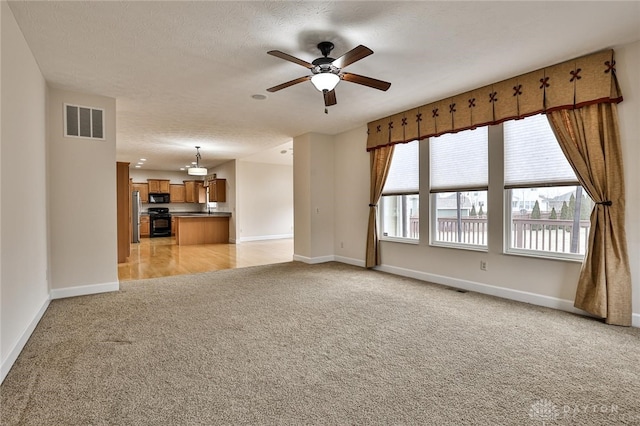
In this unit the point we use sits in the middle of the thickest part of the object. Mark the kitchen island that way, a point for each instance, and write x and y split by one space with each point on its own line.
202 228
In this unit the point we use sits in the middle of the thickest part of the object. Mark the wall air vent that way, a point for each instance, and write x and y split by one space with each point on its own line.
83 122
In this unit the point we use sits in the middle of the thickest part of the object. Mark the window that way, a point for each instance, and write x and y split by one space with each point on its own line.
549 214
399 203
459 183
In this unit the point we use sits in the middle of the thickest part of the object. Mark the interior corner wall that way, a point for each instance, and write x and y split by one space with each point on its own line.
229 172
628 64
24 291
302 197
265 194
82 200
313 197
351 196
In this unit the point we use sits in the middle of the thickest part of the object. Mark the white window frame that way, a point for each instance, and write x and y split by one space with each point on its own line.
433 228
381 235
541 254
508 220
433 225
380 208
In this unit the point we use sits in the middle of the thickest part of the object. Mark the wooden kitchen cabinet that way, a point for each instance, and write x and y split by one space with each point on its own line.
176 193
194 191
145 227
144 191
173 226
218 190
158 185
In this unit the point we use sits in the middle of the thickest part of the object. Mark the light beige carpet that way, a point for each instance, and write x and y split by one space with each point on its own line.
318 344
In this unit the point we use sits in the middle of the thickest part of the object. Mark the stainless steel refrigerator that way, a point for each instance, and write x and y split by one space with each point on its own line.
136 209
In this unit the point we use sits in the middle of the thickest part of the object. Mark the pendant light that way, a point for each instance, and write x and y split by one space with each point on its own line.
197 170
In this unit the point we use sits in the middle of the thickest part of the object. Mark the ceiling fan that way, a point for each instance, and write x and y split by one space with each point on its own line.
327 72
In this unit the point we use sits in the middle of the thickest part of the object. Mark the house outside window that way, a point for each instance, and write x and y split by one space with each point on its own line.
549 211
459 183
399 204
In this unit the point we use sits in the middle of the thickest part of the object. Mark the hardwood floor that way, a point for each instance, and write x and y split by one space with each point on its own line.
161 257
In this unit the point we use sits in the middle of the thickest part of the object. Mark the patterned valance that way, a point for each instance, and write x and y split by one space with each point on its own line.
583 81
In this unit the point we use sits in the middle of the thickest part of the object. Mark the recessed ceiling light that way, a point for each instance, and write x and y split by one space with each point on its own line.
182 168
137 167
143 159
193 162
259 97
140 163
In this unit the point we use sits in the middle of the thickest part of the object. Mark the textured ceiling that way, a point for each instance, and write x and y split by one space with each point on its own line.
183 72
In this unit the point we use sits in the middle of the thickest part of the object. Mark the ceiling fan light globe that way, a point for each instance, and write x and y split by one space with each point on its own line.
197 171
325 81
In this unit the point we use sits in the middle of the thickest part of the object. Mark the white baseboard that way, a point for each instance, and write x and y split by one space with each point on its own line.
24 337
313 260
350 261
505 293
265 237
635 320
83 290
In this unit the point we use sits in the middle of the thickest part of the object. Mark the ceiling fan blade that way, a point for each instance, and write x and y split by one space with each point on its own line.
288 83
366 81
353 55
330 98
287 57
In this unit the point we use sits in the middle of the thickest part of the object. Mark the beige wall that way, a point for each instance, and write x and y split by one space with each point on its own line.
82 201
542 281
24 292
313 193
351 190
265 198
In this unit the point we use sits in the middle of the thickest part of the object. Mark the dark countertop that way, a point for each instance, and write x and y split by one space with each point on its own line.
201 214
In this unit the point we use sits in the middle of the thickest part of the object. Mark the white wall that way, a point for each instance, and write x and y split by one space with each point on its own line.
628 64
545 282
175 177
24 292
82 201
265 198
228 171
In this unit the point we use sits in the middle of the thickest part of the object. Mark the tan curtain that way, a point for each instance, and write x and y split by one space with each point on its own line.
380 162
590 139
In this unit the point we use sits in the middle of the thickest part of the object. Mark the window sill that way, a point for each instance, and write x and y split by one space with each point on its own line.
400 240
469 247
563 257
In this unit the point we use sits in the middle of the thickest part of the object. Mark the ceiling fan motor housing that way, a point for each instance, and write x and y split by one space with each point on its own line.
325 64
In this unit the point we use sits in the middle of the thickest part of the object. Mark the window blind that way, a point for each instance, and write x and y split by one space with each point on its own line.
403 177
532 155
460 161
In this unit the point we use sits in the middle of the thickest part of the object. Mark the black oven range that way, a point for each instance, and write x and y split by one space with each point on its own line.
159 222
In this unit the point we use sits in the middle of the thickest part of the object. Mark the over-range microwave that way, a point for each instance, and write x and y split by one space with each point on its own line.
156 198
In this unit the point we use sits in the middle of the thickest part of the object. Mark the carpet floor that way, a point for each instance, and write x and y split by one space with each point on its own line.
325 344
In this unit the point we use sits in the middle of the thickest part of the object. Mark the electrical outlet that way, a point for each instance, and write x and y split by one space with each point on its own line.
341 244
483 265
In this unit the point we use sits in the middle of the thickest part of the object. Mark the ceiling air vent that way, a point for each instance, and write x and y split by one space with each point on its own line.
83 122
